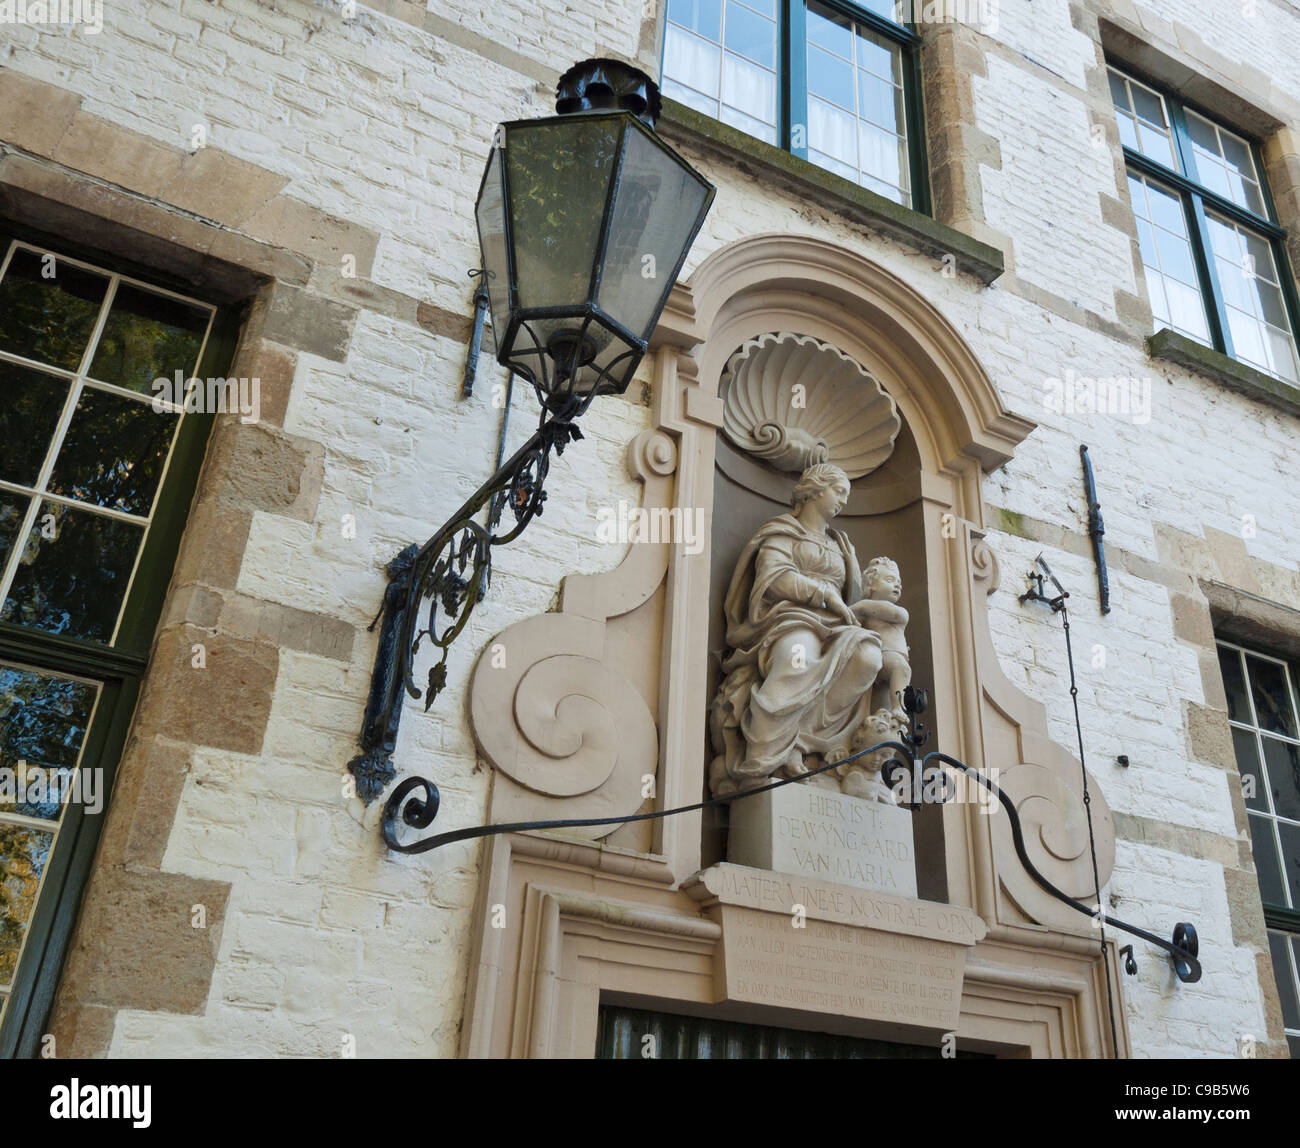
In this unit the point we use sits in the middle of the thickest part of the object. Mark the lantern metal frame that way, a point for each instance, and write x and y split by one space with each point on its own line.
545 377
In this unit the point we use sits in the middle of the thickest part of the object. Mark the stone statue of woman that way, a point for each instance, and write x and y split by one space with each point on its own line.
801 664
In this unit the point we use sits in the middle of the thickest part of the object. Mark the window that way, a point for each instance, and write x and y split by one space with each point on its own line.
1264 713
834 83
96 474
1215 267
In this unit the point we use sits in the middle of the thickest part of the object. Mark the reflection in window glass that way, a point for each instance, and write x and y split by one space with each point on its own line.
31 403
43 723
23 854
148 336
113 453
72 573
80 453
48 308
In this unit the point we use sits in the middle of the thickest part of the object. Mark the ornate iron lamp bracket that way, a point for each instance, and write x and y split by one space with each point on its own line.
452 572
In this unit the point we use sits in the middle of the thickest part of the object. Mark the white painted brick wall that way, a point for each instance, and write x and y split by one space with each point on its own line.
386 125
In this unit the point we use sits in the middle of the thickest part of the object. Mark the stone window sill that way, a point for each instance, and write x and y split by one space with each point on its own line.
680 124
1237 376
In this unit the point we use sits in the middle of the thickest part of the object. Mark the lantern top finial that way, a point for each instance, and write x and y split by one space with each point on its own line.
605 85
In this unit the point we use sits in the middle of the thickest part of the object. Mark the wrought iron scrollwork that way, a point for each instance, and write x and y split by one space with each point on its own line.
452 572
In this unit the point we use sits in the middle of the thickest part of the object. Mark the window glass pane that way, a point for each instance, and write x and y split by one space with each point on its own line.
754 127
1279 948
880 154
1166 209
23 855
702 16
31 403
1149 106
73 573
48 308
1257 317
1224 162
1252 778
751 35
833 131
830 76
692 61
1127 131
881 103
830 30
1175 255
1234 685
12 508
43 722
1118 91
1167 258
1282 761
148 336
749 88
879 56
1150 133
690 97
1274 708
114 452
1290 835
1266 862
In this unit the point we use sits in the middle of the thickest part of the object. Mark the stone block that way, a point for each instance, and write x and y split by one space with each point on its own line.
221 187
262 468
225 704
36 114
308 322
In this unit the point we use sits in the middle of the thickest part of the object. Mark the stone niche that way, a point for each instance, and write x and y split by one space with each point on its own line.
614 687
809 404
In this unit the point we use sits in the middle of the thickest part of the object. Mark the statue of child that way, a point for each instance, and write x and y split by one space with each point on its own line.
879 611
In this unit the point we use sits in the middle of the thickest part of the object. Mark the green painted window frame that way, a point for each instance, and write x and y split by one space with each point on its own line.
120 666
1196 198
1280 918
792 96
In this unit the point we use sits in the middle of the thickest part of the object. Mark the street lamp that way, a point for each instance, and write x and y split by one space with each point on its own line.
584 219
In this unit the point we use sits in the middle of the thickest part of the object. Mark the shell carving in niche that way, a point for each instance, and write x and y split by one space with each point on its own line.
793 401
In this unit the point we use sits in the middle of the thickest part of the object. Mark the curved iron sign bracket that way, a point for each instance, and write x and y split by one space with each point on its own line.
418 812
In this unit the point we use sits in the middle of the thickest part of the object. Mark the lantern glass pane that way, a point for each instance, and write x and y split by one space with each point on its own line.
559 172
656 206
492 239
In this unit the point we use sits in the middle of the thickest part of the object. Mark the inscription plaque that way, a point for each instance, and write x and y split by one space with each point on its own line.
824 967
800 943
812 832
